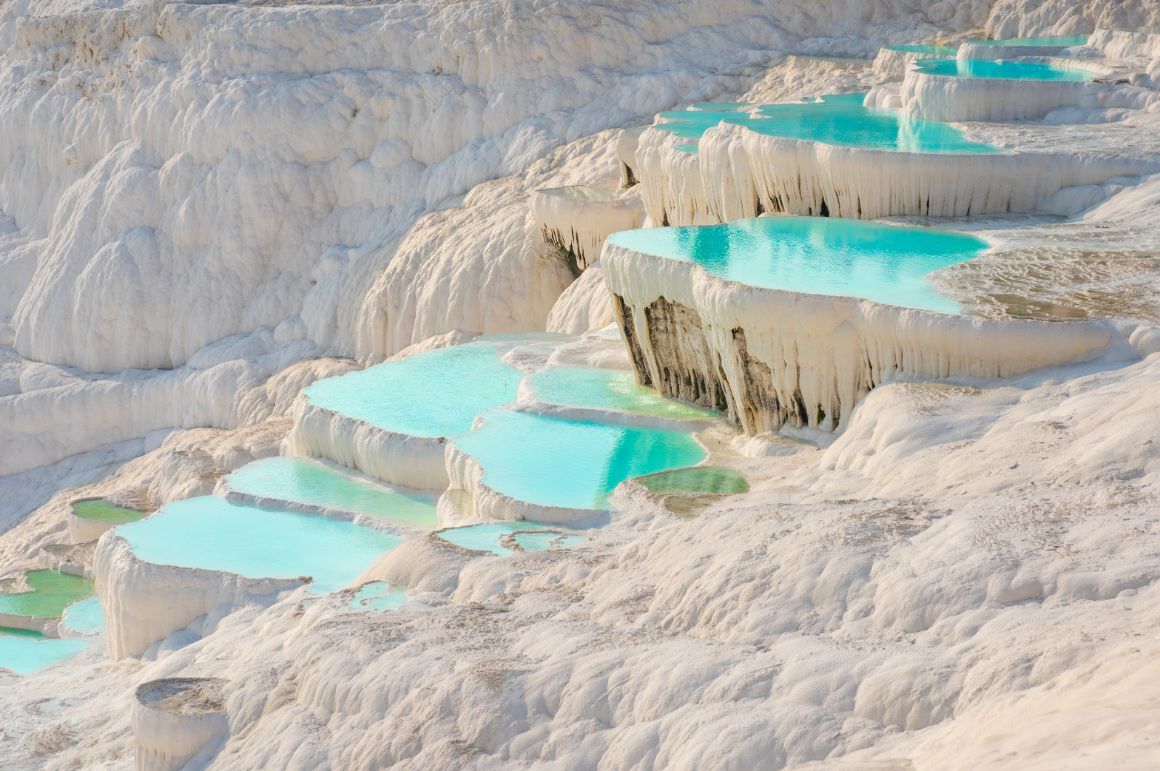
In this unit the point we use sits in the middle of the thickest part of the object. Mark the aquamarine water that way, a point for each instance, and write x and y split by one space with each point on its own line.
818 255
432 394
25 653
211 533
1000 70
378 595
926 48
835 120
570 463
303 481
608 389
85 617
490 537
1053 42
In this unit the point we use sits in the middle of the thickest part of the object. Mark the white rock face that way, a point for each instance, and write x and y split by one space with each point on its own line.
953 99
577 219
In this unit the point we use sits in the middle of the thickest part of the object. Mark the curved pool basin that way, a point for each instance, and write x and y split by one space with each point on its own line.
211 533
490 537
1001 70
817 255
49 594
609 389
25 653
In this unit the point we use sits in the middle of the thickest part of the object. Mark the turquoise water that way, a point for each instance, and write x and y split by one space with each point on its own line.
608 389
1055 42
834 120
1000 70
378 595
817 255
570 464
24 653
489 537
211 533
85 617
432 394
926 48
315 484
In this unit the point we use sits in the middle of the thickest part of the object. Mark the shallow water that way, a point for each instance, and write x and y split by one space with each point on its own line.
378 595
432 394
309 482
1001 70
1055 42
608 389
926 48
24 652
211 533
817 255
835 120
702 479
567 463
101 510
51 593
85 617
489 537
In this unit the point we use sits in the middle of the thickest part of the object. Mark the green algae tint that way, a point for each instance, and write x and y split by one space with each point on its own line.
431 394
100 510
839 120
24 653
211 533
490 537
570 463
1000 70
692 481
607 389
817 255
84 618
308 482
50 594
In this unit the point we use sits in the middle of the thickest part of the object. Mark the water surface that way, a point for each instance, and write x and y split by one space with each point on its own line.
51 592
1001 70
25 653
608 389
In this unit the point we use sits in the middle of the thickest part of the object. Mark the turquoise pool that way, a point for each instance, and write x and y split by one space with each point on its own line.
567 463
1000 70
432 394
378 595
24 653
834 120
489 537
211 533
926 48
84 618
1065 41
309 482
817 255
608 389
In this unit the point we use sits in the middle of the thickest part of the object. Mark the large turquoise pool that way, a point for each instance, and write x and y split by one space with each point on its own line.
298 480
817 255
432 394
24 653
567 463
834 120
1000 70
211 533
608 389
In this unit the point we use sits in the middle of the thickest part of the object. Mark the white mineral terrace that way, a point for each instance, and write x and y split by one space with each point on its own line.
577 219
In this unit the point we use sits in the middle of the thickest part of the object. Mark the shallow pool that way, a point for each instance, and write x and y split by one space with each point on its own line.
930 49
1065 41
85 617
211 533
24 652
1000 70
431 394
303 481
817 255
492 537
702 479
835 120
100 510
378 595
50 593
570 463
608 389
